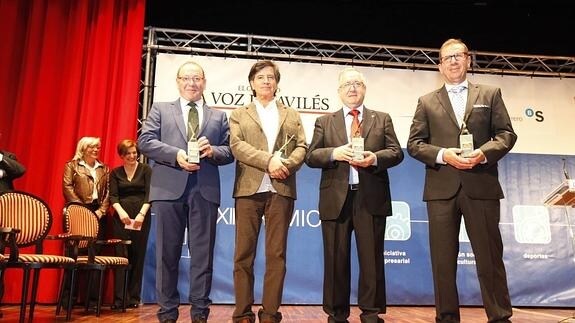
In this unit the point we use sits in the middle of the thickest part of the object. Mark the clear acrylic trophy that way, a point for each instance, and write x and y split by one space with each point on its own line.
357 147
357 142
193 151
465 141
281 152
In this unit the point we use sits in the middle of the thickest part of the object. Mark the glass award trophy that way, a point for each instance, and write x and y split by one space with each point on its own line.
281 152
357 147
193 151
465 141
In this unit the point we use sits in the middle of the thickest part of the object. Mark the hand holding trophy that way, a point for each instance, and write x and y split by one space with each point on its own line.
281 152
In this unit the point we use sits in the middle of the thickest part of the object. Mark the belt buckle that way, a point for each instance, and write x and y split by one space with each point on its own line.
353 187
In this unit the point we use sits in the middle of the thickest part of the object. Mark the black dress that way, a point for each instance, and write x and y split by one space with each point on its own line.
131 195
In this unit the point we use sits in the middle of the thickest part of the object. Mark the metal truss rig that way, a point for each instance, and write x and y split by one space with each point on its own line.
345 53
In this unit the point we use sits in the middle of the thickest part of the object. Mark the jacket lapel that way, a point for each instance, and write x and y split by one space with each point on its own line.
472 96
179 118
367 121
206 115
253 113
282 115
338 123
443 99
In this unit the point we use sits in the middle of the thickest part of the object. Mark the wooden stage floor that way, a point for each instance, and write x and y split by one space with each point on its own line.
292 314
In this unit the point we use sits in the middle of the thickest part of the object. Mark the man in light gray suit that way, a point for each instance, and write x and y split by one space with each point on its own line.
183 194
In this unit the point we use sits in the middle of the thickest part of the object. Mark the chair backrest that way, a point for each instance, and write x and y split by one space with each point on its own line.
80 220
28 213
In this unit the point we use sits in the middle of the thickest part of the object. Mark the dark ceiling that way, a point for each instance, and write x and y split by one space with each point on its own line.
527 27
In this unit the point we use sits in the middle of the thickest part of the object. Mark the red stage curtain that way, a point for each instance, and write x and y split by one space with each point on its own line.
68 69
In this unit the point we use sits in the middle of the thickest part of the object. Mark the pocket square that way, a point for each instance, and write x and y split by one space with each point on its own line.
481 106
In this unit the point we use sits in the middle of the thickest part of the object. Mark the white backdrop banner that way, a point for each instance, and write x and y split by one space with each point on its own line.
542 109
538 240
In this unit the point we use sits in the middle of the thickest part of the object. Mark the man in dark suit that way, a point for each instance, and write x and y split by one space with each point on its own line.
185 194
354 196
10 169
457 186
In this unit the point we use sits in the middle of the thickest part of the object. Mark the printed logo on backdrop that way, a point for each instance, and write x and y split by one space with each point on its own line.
529 114
300 218
398 226
531 224
534 114
244 96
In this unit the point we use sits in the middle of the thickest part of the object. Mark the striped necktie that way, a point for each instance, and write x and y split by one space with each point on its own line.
458 103
192 121
355 127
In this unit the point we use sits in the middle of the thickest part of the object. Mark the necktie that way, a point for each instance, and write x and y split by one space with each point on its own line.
192 121
355 130
458 103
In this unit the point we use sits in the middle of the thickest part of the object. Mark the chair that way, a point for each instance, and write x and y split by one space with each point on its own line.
3 261
27 220
81 221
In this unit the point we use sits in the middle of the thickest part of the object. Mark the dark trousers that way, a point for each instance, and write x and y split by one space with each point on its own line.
277 211
369 233
199 216
482 224
135 252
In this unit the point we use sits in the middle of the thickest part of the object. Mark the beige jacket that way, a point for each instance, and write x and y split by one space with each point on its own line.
78 184
249 146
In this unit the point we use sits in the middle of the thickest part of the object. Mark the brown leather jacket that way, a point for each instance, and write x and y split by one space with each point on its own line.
78 184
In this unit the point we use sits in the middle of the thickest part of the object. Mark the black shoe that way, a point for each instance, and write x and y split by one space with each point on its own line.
116 307
133 305
93 306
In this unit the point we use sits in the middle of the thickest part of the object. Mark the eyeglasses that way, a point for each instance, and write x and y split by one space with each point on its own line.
187 79
457 57
348 85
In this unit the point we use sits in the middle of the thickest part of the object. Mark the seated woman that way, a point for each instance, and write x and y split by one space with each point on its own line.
86 181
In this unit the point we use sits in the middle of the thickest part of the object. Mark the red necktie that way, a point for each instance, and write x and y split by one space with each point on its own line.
355 130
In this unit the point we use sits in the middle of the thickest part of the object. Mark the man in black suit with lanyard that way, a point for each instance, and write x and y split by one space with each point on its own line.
461 181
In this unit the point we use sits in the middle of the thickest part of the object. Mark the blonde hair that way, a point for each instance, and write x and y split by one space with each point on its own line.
452 41
83 144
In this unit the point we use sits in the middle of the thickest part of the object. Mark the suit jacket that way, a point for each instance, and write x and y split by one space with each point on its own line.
434 127
12 170
164 134
250 148
379 137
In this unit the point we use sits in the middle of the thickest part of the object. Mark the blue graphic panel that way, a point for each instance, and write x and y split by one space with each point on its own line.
538 254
